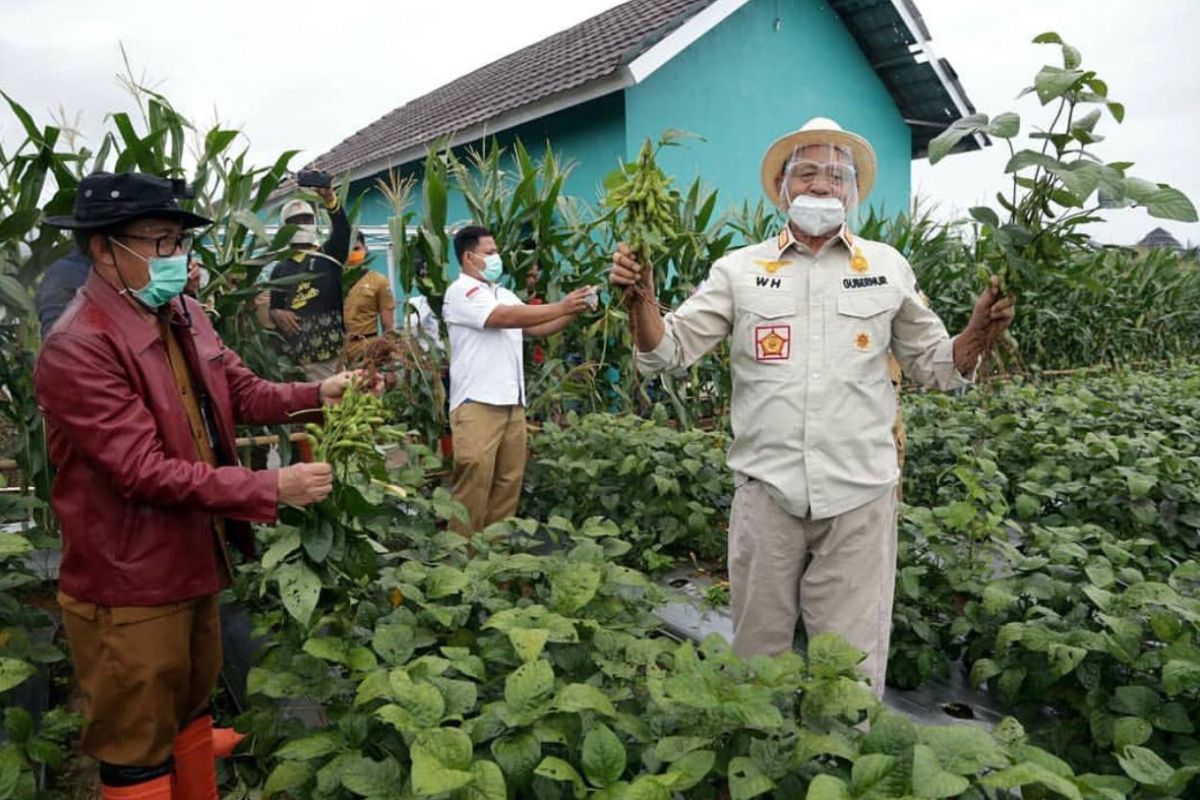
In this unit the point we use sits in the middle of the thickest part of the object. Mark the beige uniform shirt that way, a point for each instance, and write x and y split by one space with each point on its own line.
813 404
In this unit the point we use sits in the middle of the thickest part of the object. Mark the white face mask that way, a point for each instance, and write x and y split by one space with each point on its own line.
305 235
817 216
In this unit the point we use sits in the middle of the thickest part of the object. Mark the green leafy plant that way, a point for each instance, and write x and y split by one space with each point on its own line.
670 488
1058 562
1060 186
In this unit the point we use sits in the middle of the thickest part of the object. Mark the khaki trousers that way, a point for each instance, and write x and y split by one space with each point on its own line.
144 673
840 572
489 462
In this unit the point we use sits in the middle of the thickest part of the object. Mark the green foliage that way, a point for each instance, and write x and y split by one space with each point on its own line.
1050 543
1037 242
495 671
1096 306
669 488
1060 185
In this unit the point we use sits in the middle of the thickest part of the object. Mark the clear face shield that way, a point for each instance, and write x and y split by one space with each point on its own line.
819 185
301 215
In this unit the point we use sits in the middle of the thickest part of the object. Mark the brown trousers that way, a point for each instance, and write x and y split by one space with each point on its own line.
489 462
144 673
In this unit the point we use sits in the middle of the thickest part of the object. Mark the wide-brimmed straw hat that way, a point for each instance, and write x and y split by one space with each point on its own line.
818 130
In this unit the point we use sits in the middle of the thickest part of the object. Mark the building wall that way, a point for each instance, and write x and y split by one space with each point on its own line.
744 83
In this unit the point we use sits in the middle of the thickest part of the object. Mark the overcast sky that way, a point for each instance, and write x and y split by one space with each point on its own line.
306 74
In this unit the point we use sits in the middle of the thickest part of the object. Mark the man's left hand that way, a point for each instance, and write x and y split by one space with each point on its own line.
994 312
333 388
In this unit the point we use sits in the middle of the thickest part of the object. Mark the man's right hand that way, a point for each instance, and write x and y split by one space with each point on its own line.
305 484
327 195
577 301
286 321
627 272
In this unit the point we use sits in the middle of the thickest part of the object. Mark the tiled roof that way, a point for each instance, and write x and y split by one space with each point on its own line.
1160 238
593 49
599 47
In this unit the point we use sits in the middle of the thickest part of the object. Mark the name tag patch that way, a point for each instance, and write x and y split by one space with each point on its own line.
864 282
767 282
772 342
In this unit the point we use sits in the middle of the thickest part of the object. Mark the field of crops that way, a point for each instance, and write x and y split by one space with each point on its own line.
1049 541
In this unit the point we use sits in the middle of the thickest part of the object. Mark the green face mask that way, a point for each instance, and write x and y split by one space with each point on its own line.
168 277
493 267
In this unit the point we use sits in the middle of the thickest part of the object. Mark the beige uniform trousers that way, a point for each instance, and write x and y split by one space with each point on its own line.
489 462
840 571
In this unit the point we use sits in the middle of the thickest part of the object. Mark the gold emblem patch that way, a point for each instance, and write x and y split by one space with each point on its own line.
858 262
772 266
772 342
862 340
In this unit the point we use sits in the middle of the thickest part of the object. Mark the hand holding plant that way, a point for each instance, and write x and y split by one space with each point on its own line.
627 271
304 484
993 313
333 389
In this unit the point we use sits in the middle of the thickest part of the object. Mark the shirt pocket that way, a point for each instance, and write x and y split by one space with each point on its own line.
765 335
862 333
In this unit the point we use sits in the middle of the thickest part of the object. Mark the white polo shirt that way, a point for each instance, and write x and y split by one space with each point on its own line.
487 365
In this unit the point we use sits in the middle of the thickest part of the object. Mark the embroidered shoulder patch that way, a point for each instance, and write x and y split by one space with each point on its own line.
772 266
858 262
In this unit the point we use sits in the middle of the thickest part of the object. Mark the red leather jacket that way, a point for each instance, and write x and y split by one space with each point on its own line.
131 494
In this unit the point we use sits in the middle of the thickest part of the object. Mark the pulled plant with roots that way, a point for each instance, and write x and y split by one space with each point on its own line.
642 205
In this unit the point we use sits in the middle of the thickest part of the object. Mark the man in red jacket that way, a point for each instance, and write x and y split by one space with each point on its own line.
140 398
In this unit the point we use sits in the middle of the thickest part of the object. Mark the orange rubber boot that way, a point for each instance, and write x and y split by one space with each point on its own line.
195 766
225 741
157 789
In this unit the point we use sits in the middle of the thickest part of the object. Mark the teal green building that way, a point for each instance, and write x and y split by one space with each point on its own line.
738 73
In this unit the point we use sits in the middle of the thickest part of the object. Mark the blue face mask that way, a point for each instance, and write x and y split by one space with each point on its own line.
168 277
493 267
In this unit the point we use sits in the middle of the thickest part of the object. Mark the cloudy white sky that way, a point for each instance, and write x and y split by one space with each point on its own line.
305 74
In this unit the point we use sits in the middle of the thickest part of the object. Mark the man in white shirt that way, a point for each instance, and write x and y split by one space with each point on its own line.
485 322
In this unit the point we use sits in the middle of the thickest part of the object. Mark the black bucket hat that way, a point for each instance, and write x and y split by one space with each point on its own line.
103 199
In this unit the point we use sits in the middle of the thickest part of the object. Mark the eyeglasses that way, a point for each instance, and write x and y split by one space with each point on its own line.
807 172
166 245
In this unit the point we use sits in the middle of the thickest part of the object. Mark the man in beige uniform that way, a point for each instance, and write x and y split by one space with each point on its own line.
812 315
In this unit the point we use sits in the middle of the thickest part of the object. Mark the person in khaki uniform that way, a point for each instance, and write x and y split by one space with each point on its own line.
899 434
812 314
369 309
485 322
